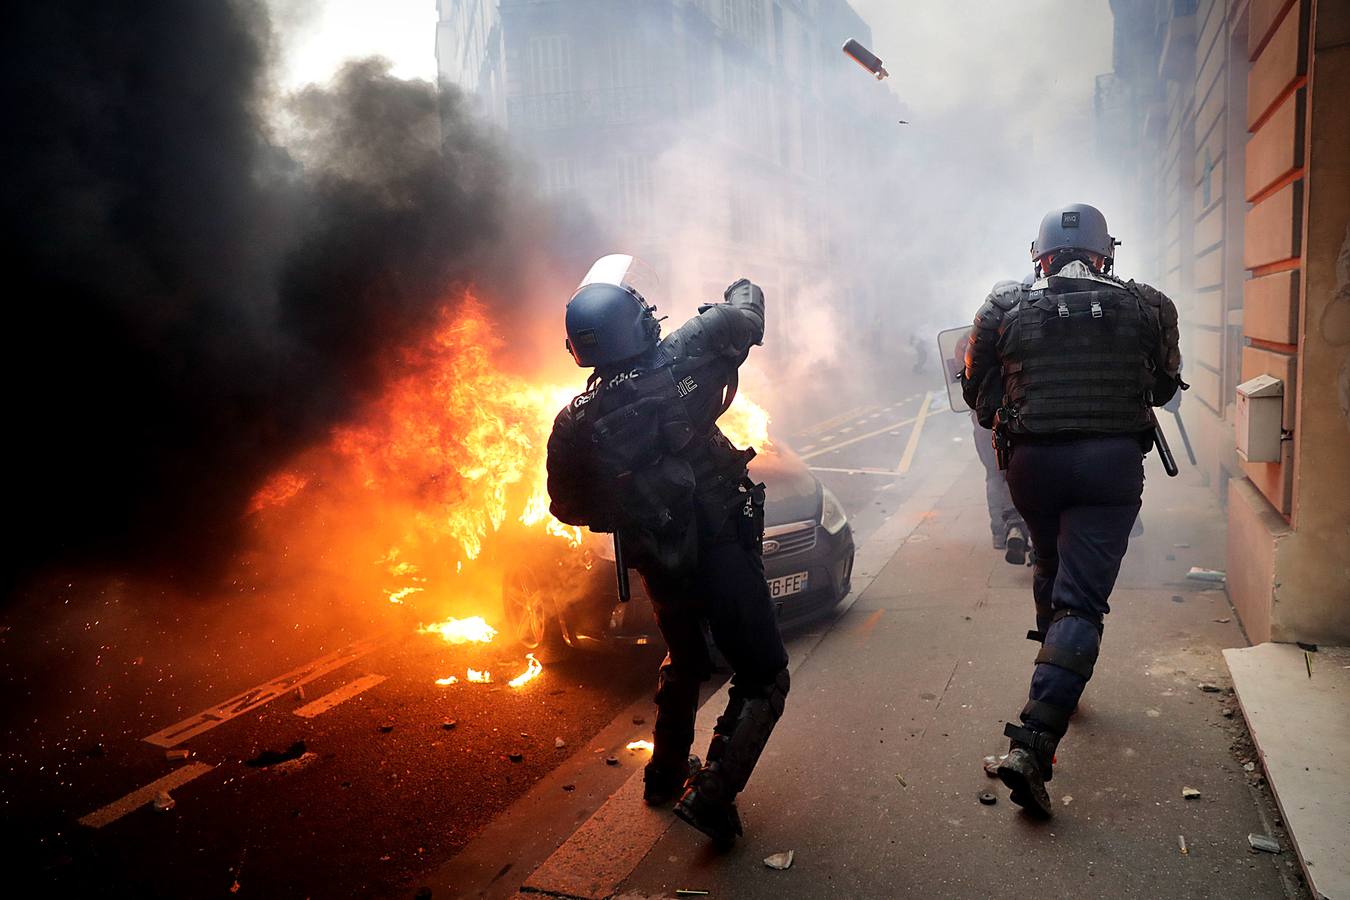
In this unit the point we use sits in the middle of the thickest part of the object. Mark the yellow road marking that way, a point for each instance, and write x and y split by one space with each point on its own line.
913 443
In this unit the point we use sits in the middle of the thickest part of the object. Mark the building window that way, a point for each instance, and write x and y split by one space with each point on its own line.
550 64
745 19
633 192
559 176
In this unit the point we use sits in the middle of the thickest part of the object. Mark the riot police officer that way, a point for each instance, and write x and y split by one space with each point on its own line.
1066 371
639 453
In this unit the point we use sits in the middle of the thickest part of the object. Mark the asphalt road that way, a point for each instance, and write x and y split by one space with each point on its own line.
356 799
381 783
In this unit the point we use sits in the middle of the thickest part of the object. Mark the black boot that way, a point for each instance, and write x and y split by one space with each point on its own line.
1028 766
707 806
662 784
1016 546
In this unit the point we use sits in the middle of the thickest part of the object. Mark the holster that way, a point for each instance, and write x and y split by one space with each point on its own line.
1002 441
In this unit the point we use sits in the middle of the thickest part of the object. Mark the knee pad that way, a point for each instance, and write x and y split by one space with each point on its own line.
1072 646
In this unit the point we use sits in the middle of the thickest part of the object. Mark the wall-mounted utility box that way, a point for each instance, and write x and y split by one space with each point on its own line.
1260 419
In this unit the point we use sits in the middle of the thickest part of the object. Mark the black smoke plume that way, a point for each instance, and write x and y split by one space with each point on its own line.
188 302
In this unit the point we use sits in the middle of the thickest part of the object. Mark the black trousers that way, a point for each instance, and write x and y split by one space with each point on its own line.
1079 500
727 591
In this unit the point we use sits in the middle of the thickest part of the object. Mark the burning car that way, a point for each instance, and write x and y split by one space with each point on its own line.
563 599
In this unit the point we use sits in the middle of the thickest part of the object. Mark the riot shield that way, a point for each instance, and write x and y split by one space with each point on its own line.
952 353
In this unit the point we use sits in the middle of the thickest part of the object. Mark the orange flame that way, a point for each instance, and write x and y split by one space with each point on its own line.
746 424
461 631
448 454
449 679
641 745
477 677
533 671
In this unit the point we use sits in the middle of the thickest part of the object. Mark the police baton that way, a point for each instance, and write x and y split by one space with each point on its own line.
1185 438
1164 452
621 570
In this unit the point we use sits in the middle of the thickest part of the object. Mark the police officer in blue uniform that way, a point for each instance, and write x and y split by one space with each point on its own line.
1066 372
639 454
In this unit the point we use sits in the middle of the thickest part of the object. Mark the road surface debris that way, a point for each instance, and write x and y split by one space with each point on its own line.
1181 842
987 798
780 861
1264 843
1213 575
163 802
1190 793
273 757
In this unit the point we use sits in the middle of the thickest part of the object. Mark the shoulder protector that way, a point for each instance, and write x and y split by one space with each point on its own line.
1004 296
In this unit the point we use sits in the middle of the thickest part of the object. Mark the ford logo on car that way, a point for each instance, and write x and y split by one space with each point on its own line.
770 547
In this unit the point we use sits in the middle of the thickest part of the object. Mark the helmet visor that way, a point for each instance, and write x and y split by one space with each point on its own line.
627 272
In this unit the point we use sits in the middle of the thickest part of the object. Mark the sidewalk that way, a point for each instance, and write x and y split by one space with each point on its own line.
873 775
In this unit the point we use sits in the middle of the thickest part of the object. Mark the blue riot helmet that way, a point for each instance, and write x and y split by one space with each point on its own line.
608 318
1075 227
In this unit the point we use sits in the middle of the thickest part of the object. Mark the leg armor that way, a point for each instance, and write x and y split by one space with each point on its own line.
1063 668
739 738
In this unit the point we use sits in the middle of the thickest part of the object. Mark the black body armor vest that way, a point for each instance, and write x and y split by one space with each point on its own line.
1077 358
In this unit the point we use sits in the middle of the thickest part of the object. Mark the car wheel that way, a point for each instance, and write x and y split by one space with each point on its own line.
532 616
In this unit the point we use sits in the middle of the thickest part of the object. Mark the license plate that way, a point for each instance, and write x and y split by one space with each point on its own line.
787 585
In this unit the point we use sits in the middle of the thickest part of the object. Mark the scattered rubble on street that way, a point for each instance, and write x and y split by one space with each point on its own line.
1263 843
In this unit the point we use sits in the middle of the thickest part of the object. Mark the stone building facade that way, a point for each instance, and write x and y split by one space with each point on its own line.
1231 119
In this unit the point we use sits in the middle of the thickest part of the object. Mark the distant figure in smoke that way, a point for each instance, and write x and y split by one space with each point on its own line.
920 348
1066 370
1008 531
639 454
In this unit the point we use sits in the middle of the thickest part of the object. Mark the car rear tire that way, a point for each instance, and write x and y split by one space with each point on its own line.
531 615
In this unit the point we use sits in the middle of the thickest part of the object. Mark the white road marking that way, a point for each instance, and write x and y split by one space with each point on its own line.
853 471
255 697
846 429
806 448
333 698
857 437
141 796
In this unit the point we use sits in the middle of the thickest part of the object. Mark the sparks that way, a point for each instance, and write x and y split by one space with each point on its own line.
531 672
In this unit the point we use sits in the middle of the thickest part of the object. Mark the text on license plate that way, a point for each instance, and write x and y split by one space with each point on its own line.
787 585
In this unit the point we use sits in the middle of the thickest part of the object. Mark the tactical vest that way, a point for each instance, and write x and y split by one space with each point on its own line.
1078 357
662 467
